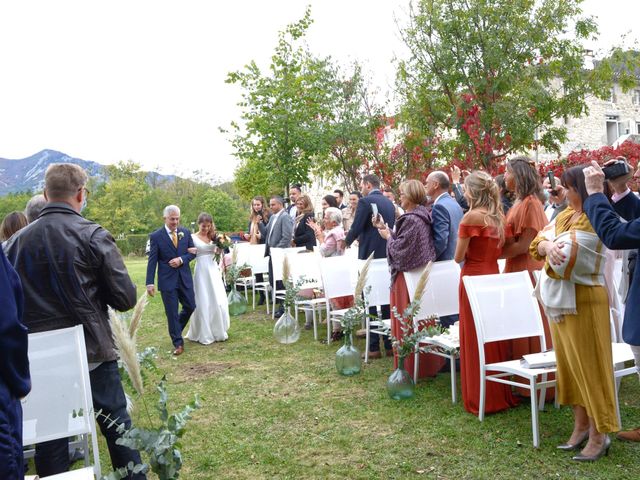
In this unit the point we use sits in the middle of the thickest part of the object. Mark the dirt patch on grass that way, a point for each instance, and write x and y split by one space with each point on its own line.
203 370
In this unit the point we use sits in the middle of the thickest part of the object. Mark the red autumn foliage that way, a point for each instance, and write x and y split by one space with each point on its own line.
629 150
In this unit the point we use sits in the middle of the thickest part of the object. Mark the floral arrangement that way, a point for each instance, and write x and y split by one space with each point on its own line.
234 271
222 242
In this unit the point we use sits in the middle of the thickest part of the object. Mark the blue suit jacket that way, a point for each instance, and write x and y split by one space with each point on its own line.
617 235
362 229
161 252
446 215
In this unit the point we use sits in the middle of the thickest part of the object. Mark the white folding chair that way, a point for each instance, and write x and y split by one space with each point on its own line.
244 258
306 265
339 277
377 291
277 259
259 265
441 298
60 404
504 308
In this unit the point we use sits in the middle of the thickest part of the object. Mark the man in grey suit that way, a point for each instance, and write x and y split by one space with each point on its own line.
446 215
279 233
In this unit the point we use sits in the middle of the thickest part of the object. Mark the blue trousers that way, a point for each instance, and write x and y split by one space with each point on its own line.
172 299
11 463
108 397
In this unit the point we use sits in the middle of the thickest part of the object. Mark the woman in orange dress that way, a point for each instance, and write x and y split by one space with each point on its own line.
480 238
525 219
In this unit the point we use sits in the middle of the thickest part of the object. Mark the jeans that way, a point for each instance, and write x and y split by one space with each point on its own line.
108 398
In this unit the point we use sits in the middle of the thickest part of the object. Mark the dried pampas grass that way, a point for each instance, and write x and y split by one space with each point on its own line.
126 346
422 282
362 280
286 269
234 255
136 317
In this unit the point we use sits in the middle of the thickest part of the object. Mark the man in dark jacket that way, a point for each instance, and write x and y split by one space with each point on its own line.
71 270
370 241
15 381
618 235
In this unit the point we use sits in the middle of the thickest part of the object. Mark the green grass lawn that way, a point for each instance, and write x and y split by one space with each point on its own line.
282 411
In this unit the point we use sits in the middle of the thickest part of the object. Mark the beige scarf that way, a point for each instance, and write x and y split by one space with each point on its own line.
583 265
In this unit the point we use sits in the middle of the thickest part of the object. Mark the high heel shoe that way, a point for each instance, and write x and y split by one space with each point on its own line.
567 447
592 458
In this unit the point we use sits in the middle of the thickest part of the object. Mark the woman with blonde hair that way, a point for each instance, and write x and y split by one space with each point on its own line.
303 234
480 239
258 219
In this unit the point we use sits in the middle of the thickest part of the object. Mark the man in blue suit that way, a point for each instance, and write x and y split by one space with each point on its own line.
15 381
169 252
370 241
618 235
446 215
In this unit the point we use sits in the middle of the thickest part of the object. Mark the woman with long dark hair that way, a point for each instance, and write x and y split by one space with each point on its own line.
572 291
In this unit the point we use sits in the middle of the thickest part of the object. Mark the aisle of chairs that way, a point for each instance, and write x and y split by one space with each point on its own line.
60 401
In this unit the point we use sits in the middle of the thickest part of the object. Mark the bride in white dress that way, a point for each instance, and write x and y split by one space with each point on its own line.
210 320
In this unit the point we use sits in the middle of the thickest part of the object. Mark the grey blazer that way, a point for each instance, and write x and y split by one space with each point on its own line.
279 234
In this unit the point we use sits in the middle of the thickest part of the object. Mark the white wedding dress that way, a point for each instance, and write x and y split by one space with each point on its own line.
210 320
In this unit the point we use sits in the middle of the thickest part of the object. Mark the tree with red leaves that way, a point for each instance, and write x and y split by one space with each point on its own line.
483 76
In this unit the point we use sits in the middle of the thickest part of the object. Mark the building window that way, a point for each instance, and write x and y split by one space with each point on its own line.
636 97
613 125
638 128
612 95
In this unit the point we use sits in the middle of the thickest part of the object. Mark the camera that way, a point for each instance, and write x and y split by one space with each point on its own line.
616 170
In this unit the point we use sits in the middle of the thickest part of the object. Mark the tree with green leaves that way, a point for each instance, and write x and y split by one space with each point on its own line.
483 76
279 135
352 128
227 214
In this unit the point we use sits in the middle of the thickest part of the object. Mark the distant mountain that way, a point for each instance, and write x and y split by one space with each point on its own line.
27 174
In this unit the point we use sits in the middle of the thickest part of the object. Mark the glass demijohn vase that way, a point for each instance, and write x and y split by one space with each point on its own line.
400 384
286 329
237 303
348 361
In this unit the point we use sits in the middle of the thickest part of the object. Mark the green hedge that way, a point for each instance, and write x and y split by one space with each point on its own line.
133 244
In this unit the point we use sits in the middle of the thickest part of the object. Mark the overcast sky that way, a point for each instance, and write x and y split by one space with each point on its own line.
143 80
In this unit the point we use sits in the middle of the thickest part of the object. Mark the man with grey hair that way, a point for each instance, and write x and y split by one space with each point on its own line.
446 215
71 271
34 207
169 253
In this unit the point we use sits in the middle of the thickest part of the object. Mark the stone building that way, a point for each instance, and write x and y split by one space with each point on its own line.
606 121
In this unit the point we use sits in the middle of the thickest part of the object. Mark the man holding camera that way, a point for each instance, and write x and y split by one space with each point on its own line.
617 235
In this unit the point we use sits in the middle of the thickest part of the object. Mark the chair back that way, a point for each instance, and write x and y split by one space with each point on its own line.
305 264
441 293
244 252
59 404
277 259
339 276
379 279
258 262
504 307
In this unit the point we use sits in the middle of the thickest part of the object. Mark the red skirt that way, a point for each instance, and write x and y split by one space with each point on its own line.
430 364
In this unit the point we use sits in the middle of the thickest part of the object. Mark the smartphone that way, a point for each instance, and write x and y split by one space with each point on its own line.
616 170
374 209
552 183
